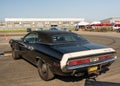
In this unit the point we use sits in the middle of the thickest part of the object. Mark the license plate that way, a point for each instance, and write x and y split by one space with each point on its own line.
91 69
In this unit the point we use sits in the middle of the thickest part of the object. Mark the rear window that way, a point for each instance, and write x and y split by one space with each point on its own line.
68 38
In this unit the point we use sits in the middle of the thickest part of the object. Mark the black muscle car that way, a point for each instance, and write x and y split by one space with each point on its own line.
63 53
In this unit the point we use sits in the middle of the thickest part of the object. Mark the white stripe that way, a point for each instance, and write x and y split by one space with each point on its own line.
83 53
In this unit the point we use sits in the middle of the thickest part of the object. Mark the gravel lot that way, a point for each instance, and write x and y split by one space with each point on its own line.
22 73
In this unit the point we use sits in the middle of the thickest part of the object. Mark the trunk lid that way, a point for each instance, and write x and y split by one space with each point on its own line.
75 47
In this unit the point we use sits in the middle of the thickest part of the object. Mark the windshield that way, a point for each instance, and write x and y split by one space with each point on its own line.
68 38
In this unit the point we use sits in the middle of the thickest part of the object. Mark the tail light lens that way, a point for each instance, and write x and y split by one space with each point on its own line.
88 60
78 62
106 57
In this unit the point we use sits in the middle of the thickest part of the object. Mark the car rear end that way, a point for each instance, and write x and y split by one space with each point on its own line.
86 63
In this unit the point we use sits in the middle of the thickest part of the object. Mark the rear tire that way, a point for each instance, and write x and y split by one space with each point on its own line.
44 71
15 54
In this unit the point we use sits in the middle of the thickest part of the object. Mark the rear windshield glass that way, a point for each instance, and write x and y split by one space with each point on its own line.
68 38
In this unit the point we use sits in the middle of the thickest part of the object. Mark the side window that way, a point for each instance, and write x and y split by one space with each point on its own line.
31 38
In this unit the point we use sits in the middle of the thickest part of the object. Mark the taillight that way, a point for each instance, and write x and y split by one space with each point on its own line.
106 57
78 62
88 60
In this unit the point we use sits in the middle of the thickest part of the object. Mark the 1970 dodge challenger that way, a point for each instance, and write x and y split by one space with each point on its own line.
62 53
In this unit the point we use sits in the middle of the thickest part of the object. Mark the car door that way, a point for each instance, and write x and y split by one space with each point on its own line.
30 42
33 45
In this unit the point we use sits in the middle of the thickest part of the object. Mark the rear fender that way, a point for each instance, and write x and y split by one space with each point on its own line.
42 60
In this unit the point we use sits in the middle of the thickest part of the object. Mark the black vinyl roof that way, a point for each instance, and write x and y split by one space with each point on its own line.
46 35
51 33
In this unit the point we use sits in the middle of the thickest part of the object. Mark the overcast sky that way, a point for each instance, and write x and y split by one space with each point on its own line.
88 9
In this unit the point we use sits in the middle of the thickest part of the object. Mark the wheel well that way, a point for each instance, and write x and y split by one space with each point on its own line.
39 58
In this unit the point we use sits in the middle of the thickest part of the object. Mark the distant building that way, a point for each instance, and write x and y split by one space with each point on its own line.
114 20
41 22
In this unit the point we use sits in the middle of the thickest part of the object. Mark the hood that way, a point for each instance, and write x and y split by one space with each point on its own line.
75 47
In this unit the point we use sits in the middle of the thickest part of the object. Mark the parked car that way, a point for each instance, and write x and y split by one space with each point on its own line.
63 53
29 29
118 30
53 29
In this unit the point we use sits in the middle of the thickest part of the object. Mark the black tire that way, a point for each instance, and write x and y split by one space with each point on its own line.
44 71
15 54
